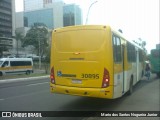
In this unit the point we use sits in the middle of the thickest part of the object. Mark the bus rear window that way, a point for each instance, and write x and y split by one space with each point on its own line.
80 40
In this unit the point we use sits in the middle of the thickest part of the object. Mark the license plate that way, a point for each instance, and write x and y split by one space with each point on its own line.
77 81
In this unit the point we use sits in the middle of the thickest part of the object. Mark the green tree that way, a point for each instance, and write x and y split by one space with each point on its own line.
2 48
1 52
37 36
18 37
47 59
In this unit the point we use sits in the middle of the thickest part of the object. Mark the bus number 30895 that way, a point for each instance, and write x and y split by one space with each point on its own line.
92 76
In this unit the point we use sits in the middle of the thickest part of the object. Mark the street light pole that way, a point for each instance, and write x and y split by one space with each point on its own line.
39 52
17 49
39 47
89 10
40 43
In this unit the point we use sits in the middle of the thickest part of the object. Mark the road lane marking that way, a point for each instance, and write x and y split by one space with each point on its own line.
2 99
37 84
24 95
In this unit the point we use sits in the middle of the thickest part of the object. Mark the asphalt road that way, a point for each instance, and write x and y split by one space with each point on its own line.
34 95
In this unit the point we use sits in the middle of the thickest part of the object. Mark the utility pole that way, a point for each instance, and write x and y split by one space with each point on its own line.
39 49
89 10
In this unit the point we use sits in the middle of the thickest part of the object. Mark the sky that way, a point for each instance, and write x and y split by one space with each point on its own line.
136 18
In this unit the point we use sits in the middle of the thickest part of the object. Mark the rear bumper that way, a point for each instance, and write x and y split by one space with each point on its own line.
89 92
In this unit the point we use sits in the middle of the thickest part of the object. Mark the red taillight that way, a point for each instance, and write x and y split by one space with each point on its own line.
52 77
106 79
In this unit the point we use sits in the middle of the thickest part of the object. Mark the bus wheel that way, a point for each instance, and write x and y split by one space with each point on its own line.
27 72
130 86
1 74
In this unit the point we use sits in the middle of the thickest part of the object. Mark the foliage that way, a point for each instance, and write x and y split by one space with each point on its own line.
37 36
2 48
18 37
48 52
47 60
1 51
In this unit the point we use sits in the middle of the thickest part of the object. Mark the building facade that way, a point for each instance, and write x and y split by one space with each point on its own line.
41 17
6 18
7 26
46 11
72 15
51 15
47 1
57 6
32 5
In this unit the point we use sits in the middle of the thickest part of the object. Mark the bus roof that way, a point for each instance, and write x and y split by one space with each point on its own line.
80 27
85 27
16 59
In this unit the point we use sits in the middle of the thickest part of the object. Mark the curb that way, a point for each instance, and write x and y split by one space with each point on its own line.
22 79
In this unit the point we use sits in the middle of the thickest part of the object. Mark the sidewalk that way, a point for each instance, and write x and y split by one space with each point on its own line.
23 79
38 71
152 77
37 74
129 101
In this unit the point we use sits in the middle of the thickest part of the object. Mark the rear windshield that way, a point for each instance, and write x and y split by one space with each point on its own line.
80 40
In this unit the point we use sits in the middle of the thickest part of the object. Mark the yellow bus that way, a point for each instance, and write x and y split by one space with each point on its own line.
94 61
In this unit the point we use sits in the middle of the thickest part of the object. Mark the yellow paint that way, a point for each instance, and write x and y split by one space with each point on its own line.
88 92
15 68
79 54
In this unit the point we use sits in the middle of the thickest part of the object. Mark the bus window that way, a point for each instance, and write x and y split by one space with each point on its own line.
82 43
117 49
131 52
21 63
140 56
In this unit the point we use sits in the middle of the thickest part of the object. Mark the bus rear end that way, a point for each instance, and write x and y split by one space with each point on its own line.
155 61
81 61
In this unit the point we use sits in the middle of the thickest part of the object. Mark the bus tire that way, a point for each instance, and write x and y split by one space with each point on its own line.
27 72
130 91
1 74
